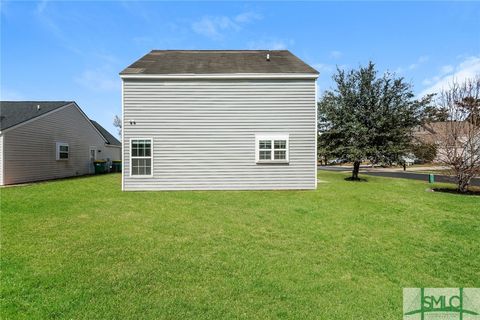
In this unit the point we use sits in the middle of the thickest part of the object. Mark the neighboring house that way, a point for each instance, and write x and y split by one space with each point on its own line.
219 120
41 140
443 135
430 133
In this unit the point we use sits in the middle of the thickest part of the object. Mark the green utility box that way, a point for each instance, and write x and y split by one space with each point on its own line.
116 166
100 166
431 178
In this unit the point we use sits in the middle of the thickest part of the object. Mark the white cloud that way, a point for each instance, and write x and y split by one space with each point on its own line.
420 61
48 19
325 68
443 71
336 54
247 17
214 27
269 44
137 8
423 59
468 68
98 80
446 69
41 6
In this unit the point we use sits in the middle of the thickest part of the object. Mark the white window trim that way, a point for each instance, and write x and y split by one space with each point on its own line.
131 162
57 151
272 137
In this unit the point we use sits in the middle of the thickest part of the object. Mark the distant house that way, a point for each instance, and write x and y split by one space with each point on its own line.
41 140
443 134
219 120
430 133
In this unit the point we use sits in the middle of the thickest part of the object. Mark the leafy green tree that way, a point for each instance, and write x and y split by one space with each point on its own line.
471 105
435 114
369 117
424 151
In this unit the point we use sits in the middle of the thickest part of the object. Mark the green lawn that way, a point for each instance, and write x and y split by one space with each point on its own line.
81 248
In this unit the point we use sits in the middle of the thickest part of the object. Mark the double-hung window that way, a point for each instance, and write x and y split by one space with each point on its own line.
141 157
271 148
62 151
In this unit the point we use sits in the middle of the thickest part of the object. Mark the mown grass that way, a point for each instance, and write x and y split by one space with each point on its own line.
82 249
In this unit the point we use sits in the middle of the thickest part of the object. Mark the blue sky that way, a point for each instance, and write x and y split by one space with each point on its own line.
75 50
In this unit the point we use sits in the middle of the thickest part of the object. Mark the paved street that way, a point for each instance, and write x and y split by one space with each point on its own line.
395 174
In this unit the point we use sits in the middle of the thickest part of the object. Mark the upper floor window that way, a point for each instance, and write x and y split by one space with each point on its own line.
141 157
62 151
271 148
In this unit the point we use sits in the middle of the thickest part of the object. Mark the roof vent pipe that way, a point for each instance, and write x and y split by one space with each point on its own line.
268 56
38 107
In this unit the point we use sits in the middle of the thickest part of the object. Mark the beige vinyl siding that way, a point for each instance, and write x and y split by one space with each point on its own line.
111 152
203 132
30 148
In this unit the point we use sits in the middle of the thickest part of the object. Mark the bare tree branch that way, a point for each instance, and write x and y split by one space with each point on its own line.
117 122
459 138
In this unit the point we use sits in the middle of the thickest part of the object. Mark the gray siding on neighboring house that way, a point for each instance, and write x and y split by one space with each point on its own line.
110 152
203 132
30 148
1 160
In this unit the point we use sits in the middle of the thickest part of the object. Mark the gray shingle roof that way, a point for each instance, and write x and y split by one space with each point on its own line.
218 61
15 112
107 135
